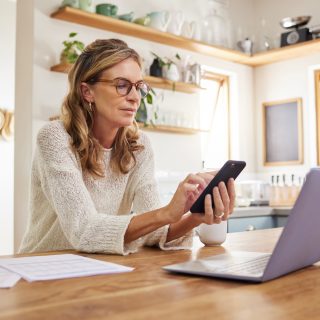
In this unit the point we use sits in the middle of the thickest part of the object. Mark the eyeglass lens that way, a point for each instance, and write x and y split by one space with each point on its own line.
124 87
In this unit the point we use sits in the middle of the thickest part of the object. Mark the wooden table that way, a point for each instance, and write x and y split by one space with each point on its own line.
151 293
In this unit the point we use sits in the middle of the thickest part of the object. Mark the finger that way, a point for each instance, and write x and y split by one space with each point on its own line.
188 188
218 204
217 220
232 194
213 172
196 179
208 211
206 176
225 199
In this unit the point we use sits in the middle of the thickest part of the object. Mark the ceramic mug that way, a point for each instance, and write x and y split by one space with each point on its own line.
126 16
143 21
86 5
107 9
213 234
159 20
70 3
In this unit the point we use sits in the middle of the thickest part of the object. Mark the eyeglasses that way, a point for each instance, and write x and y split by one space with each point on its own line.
124 86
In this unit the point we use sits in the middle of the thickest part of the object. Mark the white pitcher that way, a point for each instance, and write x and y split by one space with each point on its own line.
188 29
176 21
159 20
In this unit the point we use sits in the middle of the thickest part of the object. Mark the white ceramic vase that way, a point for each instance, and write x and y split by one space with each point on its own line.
171 72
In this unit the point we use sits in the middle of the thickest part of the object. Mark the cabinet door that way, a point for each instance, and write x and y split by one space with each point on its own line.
281 221
251 223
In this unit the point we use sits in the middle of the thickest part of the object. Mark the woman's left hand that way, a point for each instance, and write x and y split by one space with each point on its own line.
223 197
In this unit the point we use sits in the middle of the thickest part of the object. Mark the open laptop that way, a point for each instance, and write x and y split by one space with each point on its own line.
297 247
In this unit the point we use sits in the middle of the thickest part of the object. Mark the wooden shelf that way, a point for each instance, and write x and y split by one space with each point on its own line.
64 68
171 85
135 30
169 129
152 81
131 29
285 53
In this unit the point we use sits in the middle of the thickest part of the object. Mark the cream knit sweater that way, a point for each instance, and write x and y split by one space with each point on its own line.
72 210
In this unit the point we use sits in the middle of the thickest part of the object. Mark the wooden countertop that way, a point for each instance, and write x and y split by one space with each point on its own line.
151 293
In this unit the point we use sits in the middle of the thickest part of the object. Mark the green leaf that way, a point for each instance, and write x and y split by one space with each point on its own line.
178 56
80 46
72 34
149 98
141 115
72 57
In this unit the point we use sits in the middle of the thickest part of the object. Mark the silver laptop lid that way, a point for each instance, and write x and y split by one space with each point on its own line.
299 243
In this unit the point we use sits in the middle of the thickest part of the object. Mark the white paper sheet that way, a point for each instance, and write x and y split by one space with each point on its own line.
59 267
8 279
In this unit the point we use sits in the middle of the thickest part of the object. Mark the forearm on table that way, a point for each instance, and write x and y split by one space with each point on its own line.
180 228
145 223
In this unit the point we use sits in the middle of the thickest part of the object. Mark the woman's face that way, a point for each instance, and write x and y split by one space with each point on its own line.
111 109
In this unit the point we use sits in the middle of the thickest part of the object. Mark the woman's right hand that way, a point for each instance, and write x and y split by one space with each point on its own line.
186 194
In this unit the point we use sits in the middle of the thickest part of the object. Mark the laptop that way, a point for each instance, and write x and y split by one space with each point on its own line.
297 247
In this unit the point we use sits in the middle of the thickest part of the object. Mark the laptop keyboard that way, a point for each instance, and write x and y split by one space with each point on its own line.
253 266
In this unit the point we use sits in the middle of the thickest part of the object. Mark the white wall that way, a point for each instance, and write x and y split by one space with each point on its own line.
7 76
285 80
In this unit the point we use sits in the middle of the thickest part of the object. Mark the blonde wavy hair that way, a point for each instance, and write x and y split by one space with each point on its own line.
77 114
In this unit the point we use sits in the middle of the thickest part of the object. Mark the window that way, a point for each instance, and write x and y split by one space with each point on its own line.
214 119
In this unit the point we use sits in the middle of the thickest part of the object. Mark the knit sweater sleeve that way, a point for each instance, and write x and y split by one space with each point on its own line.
146 198
63 185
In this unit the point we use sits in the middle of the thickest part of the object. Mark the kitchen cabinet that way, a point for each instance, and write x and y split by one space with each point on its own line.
258 218
251 223
131 29
281 221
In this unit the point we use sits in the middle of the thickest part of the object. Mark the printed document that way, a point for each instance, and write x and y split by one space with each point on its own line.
60 266
8 279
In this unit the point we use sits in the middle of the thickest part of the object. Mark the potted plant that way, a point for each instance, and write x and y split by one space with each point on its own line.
146 104
71 51
165 67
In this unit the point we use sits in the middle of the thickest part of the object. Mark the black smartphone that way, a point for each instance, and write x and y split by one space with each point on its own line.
231 169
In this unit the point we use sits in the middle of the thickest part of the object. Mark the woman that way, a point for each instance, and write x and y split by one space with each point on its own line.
93 167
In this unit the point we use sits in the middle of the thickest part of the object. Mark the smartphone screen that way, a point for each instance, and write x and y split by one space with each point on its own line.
231 169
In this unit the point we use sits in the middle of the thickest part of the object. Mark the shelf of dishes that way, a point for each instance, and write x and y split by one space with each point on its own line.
154 82
144 32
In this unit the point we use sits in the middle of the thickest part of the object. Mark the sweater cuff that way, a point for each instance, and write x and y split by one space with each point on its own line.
112 237
159 238
133 246
183 243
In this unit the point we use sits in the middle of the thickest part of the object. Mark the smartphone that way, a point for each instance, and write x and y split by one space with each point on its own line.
231 169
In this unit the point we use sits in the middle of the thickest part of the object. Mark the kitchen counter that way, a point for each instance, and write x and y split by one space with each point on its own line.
245 212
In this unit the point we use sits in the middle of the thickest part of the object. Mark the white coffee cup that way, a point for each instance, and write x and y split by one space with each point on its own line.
213 234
